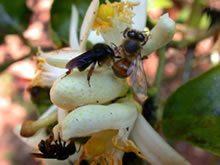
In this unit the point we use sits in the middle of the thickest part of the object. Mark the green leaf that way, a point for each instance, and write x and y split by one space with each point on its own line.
82 140
192 112
183 15
41 98
60 19
204 22
14 17
162 4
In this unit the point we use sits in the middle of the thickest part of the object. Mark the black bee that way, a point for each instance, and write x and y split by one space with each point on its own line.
100 53
149 110
214 15
57 149
130 62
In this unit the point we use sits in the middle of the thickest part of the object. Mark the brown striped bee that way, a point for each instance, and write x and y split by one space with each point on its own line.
130 61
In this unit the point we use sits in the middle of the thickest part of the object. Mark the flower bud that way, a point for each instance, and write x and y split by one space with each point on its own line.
90 119
73 90
160 35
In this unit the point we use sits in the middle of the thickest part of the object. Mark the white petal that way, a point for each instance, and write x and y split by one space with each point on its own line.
90 119
47 76
59 58
153 147
56 162
88 23
49 111
74 43
73 90
34 140
140 17
115 33
94 38
61 114
160 35
46 73
72 158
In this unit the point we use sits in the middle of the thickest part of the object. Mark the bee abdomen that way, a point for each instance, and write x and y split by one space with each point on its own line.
121 68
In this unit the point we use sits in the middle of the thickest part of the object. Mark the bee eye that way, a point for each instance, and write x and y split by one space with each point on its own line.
131 34
141 37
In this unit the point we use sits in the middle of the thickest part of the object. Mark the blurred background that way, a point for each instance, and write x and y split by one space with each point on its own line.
17 68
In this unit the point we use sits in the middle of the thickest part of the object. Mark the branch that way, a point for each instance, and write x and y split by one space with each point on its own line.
159 74
192 40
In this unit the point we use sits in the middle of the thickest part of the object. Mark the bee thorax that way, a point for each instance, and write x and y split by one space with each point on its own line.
131 46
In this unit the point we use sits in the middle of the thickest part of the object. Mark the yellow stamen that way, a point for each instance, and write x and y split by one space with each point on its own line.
29 127
105 12
110 159
97 144
118 11
46 74
119 162
128 146
96 147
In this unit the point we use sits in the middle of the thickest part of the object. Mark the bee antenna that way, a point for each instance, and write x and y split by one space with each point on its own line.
113 45
79 148
125 32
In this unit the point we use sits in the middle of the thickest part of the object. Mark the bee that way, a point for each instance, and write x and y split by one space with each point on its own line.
130 62
100 53
57 149
149 110
214 15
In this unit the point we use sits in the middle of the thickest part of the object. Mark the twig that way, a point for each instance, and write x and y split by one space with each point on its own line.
5 65
33 49
159 74
188 42
188 64
195 14
153 146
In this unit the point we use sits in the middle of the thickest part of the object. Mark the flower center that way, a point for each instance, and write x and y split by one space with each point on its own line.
111 13
106 12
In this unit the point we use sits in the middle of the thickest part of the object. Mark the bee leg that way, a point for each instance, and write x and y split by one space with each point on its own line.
70 162
99 63
90 72
113 45
67 73
145 40
117 51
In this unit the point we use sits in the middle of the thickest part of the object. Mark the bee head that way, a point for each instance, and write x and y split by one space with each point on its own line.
135 35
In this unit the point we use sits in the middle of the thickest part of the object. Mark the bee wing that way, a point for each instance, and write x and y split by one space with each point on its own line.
138 79
82 61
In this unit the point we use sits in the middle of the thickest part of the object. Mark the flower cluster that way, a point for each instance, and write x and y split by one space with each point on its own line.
103 112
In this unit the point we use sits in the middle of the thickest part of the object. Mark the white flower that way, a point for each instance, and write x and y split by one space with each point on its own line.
108 124
108 137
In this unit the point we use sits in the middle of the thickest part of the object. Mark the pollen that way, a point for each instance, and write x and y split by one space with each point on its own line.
45 73
106 12
111 13
104 18
39 70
